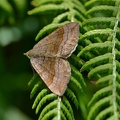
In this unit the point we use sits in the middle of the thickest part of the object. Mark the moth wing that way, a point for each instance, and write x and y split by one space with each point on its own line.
70 39
60 43
55 72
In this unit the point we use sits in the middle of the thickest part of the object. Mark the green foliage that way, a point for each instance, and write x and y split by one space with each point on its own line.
96 59
7 11
100 53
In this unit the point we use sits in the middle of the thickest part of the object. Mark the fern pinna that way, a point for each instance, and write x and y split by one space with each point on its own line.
96 59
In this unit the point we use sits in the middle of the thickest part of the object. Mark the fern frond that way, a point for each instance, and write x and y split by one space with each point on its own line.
100 53
46 103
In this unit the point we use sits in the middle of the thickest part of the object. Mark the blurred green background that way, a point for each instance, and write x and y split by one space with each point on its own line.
17 34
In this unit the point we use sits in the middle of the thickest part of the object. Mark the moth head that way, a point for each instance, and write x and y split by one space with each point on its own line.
29 54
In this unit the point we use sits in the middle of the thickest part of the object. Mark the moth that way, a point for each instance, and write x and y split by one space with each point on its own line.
49 57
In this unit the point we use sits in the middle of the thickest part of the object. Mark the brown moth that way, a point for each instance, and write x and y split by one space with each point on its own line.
49 57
